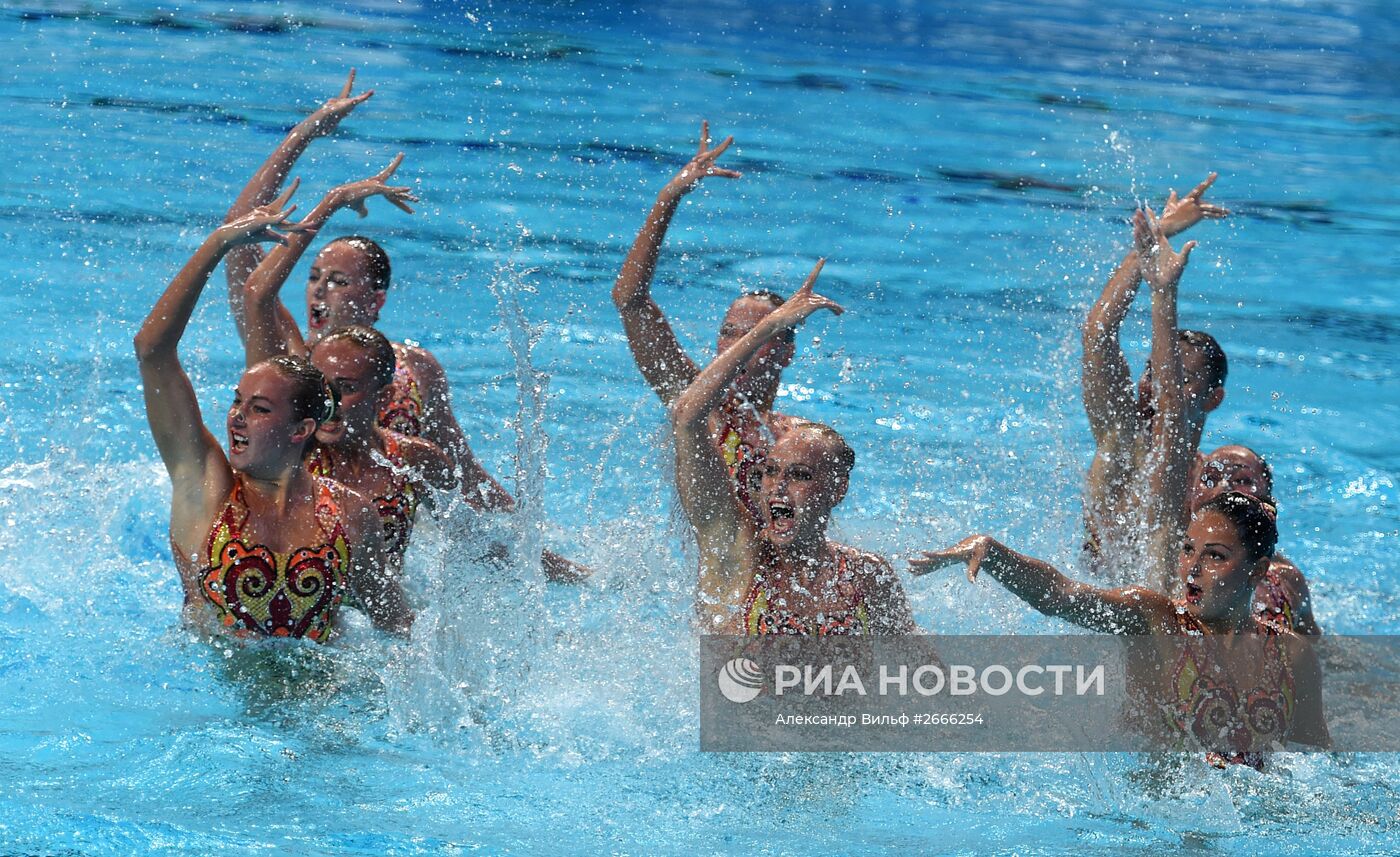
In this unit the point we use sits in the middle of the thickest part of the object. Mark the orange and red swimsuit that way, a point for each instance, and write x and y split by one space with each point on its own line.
404 411
397 509
257 592
1235 725
765 614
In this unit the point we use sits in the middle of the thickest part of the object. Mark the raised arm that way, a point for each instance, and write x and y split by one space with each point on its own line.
1169 455
1115 611
1107 382
703 481
664 364
172 409
267 333
1106 379
263 186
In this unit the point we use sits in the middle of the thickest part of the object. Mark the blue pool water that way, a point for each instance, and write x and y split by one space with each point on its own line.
966 173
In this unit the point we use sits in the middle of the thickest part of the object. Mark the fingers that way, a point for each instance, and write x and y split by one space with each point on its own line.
1203 186
812 277
934 560
1142 233
704 136
400 202
275 236
1186 252
349 85
281 201
361 98
359 208
389 170
719 150
1214 212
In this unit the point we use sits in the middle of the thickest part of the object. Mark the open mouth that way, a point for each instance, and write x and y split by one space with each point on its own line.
1193 593
237 442
781 516
319 315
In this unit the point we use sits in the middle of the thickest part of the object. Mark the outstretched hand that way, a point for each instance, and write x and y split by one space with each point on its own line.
972 550
353 195
804 302
1181 214
261 224
327 117
1161 265
703 164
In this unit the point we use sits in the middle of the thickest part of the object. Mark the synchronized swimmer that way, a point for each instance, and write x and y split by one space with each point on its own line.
337 435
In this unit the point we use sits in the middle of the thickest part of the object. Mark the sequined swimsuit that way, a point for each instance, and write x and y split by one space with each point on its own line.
849 616
404 411
1272 599
745 464
1215 711
257 592
396 509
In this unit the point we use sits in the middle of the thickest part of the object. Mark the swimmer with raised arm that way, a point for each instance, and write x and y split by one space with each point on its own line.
1121 416
1222 557
778 573
1283 594
746 414
359 450
263 547
349 284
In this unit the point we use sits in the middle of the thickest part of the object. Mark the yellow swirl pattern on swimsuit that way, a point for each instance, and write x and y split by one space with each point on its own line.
257 592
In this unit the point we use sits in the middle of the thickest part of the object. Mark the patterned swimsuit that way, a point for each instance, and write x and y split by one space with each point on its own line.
1214 710
397 509
257 592
404 412
848 616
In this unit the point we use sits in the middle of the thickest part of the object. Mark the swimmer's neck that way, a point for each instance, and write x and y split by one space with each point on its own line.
355 451
277 494
802 558
1239 619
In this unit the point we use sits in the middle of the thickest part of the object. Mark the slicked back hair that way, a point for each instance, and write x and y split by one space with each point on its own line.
313 397
376 344
375 258
1216 365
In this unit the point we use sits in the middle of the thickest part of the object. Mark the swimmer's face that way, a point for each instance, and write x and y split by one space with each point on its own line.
262 434
762 371
1201 397
1200 393
801 484
1232 468
340 291
351 368
1216 573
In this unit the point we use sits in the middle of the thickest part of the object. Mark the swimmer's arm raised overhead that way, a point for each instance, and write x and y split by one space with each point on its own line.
706 489
664 364
1169 455
240 263
189 451
373 585
1133 610
266 333
1107 382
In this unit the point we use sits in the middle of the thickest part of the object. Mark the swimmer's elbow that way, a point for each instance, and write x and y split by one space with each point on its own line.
148 348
